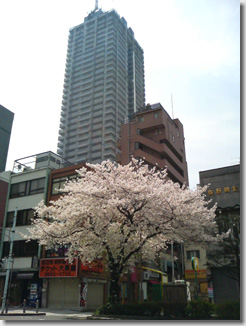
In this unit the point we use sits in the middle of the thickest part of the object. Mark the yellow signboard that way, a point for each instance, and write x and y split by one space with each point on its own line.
194 263
190 273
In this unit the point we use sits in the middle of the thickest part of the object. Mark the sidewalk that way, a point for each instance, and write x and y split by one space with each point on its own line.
77 314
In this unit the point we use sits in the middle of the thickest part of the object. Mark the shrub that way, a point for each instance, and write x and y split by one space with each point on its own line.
172 310
228 310
144 309
198 309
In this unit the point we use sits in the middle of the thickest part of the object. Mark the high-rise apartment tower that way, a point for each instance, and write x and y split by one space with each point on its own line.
104 85
6 121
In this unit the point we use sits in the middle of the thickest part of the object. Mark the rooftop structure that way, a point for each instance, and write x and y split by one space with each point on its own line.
37 161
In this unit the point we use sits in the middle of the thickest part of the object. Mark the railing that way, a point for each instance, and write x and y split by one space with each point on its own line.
46 159
8 305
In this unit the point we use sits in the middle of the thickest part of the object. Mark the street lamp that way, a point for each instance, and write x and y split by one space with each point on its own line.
9 262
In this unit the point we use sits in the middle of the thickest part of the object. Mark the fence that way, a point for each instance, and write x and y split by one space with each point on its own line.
174 293
8 305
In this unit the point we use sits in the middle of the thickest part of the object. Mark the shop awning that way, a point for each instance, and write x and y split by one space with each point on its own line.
154 282
25 276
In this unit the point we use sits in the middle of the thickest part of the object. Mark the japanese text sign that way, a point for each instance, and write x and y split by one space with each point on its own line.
58 267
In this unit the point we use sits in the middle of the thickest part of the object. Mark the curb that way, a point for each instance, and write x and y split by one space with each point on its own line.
24 314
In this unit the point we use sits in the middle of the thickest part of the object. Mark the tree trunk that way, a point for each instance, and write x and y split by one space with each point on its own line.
114 287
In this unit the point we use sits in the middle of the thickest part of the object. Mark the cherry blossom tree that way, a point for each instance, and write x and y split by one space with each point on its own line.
115 212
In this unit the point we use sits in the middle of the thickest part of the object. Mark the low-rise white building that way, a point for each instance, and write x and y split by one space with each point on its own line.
28 185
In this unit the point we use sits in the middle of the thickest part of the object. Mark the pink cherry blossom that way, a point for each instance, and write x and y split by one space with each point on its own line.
121 212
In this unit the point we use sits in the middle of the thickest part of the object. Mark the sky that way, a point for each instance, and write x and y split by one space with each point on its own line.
191 55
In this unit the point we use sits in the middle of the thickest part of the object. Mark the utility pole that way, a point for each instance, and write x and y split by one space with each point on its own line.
9 263
182 260
141 271
172 262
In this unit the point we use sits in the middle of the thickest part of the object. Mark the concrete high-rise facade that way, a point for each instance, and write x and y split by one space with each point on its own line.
6 121
104 85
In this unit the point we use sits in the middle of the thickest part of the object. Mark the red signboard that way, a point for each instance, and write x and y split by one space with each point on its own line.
95 266
58 267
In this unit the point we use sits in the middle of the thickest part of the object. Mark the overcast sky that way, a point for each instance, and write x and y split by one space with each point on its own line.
191 51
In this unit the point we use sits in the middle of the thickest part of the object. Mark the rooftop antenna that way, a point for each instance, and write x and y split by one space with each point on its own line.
172 105
96 5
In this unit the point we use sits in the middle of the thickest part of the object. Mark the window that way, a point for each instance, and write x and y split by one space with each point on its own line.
24 217
21 248
59 251
18 190
156 115
140 119
27 188
164 265
173 138
192 253
36 186
59 183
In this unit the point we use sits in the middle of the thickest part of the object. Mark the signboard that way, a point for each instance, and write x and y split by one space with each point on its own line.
194 263
190 273
58 267
150 275
95 266
204 288
133 272
210 292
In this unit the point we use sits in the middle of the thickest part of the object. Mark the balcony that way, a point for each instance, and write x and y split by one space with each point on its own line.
161 163
60 145
160 148
62 132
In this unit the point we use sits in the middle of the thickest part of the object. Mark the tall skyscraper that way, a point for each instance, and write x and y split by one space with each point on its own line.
104 85
6 121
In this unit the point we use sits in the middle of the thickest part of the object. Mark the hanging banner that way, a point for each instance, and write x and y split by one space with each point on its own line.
83 294
58 267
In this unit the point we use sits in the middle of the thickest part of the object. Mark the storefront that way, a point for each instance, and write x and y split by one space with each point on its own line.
93 287
92 293
60 283
198 283
72 285
24 286
63 293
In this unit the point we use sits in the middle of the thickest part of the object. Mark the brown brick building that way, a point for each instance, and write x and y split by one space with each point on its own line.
153 136
82 286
